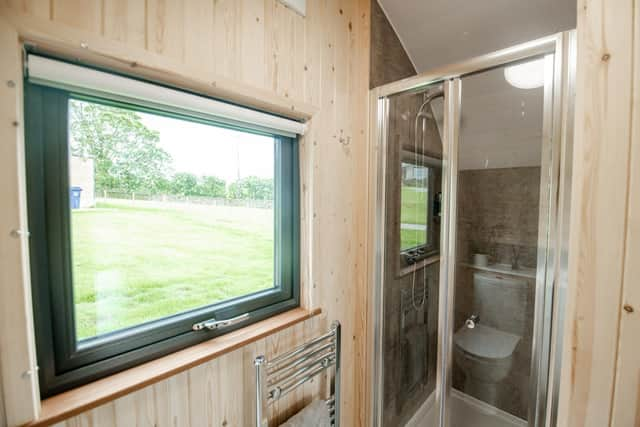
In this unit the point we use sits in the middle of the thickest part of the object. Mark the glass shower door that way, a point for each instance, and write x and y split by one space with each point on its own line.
475 157
410 256
500 226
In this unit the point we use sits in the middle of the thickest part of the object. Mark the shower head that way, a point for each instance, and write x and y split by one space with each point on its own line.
438 93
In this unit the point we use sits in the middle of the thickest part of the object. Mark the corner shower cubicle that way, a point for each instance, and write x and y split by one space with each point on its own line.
471 182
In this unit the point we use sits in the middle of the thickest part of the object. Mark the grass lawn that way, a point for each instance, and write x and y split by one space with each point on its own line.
138 261
414 212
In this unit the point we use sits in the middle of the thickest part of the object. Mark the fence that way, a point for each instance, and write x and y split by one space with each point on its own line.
200 200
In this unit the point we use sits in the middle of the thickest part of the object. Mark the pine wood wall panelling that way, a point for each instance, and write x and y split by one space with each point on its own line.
599 211
67 42
40 8
360 23
626 401
199 34
166 27
16 323
226 39
220 392
322 59
125 21
3 415
252 42
82 14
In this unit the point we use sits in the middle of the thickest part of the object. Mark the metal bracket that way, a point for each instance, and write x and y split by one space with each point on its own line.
213 324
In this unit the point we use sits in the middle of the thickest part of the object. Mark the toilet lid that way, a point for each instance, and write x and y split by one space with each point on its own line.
485 341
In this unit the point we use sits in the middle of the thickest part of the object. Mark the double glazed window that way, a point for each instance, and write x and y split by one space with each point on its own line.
419 206
149 225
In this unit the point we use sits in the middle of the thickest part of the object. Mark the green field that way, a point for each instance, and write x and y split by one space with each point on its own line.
413 211
138 261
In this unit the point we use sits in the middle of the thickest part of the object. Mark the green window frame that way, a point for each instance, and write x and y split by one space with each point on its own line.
63 361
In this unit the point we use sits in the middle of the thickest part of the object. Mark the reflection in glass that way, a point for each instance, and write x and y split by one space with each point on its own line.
413 206
498 211
413 176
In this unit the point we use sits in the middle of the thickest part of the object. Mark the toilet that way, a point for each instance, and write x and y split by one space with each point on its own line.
485 353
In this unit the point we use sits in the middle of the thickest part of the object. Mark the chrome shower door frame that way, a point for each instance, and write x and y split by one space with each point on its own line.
551 277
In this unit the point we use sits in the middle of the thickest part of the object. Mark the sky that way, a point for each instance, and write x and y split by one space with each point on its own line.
207 150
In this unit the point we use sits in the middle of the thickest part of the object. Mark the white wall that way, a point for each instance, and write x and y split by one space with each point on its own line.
82 175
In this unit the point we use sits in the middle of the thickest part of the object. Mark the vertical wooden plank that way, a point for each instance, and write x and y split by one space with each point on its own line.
171 401
102 416
80 14
359 41
298 73
226 44
39 8
125 411
3 415
252 41
284 54
199 39
19 380
599 208
230 383
626 402
271 51
313 45
313 69
126 21
202 392
166 27
136 409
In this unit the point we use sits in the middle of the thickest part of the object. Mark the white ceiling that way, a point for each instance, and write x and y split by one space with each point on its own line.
441 32
501 126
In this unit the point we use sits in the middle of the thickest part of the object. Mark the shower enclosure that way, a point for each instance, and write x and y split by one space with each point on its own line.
472 176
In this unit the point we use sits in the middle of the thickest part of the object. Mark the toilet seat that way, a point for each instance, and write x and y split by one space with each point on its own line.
486 342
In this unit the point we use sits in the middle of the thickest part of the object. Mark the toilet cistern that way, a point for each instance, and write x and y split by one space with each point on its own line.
471 321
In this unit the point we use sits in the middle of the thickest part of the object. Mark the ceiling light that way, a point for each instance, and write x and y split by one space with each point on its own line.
527 75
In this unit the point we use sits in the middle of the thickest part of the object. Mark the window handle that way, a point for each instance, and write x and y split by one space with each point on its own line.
213 324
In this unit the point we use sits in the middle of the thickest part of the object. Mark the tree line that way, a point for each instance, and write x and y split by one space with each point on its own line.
128 157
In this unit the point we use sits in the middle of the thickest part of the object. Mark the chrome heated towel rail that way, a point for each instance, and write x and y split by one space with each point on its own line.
279 376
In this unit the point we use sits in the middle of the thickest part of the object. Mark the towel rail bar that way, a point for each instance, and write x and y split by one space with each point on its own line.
301 348
317 355
281 375
324 362
301 358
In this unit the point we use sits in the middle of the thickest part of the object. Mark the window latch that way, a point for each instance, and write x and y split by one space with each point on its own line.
213 324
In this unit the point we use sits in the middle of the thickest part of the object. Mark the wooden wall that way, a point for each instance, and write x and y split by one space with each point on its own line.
601 363
260 47
3 417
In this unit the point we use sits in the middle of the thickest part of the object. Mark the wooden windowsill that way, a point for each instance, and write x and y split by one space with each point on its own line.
78 400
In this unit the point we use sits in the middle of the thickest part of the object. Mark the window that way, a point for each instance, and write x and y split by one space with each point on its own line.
419 206
146 223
